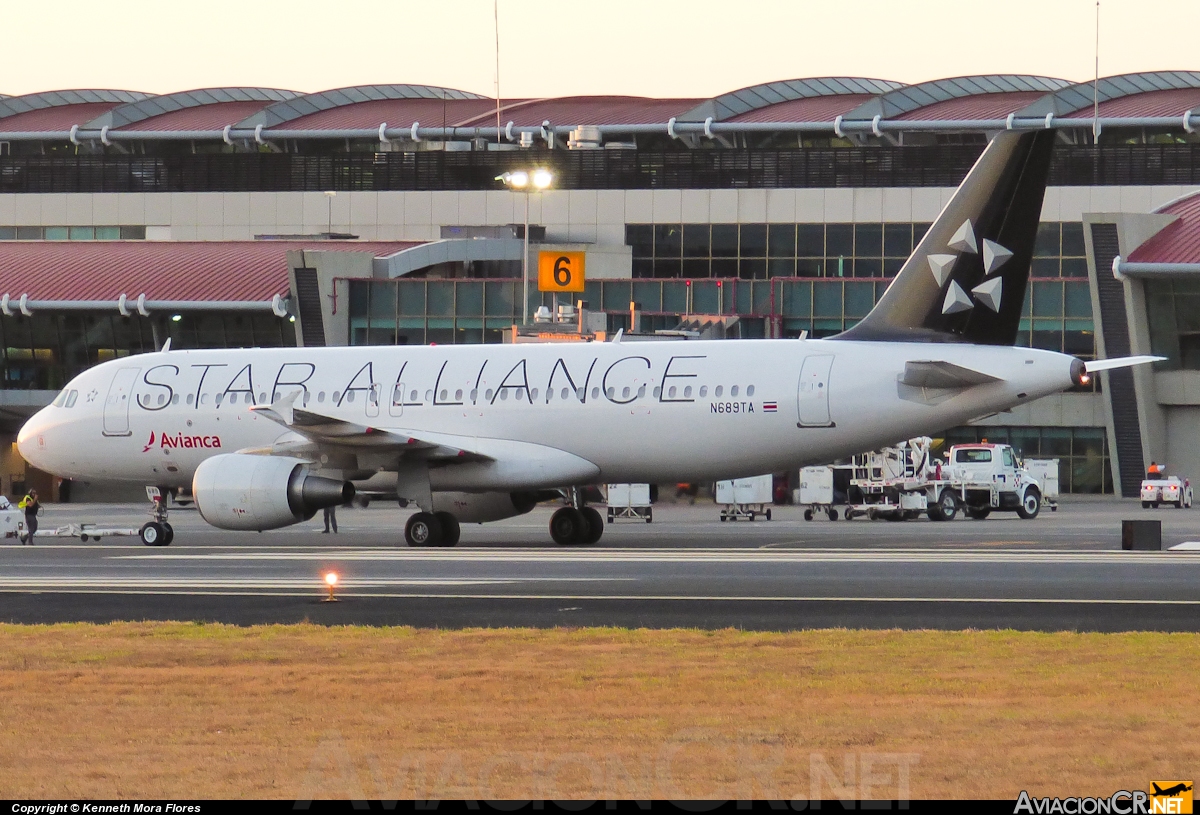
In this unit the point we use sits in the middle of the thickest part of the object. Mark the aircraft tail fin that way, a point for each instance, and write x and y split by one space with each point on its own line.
966 280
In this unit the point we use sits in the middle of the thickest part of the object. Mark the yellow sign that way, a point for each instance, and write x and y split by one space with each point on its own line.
1170 797
561 271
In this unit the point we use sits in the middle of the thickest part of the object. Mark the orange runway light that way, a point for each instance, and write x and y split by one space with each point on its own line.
331 580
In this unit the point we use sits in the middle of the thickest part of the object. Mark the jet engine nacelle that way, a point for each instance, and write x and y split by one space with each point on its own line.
481 507
247 492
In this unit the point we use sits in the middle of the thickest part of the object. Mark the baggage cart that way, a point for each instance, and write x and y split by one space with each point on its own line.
629 502
745 497
816 492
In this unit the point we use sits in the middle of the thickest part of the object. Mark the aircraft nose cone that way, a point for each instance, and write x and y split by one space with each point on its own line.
31 441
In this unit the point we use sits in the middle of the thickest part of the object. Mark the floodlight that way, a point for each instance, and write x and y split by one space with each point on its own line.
542 179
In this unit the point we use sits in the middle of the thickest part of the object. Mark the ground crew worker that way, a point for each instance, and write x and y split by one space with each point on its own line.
330 518
32 506
1154 471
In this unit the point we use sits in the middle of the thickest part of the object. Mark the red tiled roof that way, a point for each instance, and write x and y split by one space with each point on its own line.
1179 242
596 110
983 106
202 117
192 270
396 112
55 118
812 109
1171 102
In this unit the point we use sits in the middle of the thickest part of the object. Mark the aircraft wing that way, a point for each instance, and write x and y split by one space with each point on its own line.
936 373
329 432
1092 366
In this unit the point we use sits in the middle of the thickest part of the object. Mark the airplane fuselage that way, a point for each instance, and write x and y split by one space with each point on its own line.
637 411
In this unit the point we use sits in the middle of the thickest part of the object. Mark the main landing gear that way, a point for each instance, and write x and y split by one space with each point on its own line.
157 532
431 529
576 523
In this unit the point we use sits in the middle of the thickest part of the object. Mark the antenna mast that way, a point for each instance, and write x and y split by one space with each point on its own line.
1096 84
496 16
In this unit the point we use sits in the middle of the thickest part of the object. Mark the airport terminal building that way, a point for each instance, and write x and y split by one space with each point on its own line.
238 217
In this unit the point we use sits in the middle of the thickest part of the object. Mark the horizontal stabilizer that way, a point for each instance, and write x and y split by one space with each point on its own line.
942 374
1119 362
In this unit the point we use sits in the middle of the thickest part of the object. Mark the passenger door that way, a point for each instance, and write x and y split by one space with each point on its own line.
812 393
116 406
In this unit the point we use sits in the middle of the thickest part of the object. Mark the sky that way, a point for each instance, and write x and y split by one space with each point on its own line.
660 48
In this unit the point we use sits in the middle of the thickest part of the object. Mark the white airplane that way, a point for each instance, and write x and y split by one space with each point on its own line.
266 437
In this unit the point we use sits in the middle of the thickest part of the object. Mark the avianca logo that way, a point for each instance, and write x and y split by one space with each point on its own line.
180 441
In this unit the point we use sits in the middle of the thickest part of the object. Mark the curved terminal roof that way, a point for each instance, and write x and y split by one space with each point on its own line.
1136 88
740 102
286 112
914 99
1163 94
193 271
145 110
59 110
1178 242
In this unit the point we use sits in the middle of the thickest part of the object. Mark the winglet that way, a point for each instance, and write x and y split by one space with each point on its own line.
281 410
166 346
617 337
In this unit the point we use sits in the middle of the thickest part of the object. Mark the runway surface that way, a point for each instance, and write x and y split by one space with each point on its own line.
1062 571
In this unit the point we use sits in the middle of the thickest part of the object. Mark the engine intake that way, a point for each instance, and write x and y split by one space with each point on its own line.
247 492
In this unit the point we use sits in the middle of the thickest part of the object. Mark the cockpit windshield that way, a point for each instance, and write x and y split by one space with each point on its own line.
66 398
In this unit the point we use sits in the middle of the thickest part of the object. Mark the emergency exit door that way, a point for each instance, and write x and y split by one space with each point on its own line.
116 406
812 393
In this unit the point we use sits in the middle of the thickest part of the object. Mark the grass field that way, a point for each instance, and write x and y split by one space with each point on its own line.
177 710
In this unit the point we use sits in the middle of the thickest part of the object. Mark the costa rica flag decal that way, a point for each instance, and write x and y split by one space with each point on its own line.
770 407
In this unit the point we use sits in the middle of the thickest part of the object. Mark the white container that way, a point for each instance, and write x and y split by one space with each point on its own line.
1045 472
622 496
739 491
816 486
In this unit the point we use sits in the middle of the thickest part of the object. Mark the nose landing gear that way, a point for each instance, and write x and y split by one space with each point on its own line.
157 532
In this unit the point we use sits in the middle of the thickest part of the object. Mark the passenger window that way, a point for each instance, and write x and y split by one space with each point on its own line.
429 396
750 390
581 394
412 397
306 396
504 396
350 396
74 395
595 393
641 391
671 392
533 395
262 397
657 391
189 398
217 399
175 399
474 394
321 396
445 393
566 393
624 393
334 396
611 392
204 398
703 391
687 392
162 398
733 391
233 398
487 396
719 390
458 395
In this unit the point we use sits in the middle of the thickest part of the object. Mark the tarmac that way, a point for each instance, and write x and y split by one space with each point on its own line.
1064 570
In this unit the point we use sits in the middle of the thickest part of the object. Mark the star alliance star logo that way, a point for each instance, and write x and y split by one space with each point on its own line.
92 394
990 291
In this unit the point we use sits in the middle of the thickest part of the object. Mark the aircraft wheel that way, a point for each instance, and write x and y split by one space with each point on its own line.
450 528
808 516
1030 505
170 534
567 526
832 514
423 529
593 526
152 534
